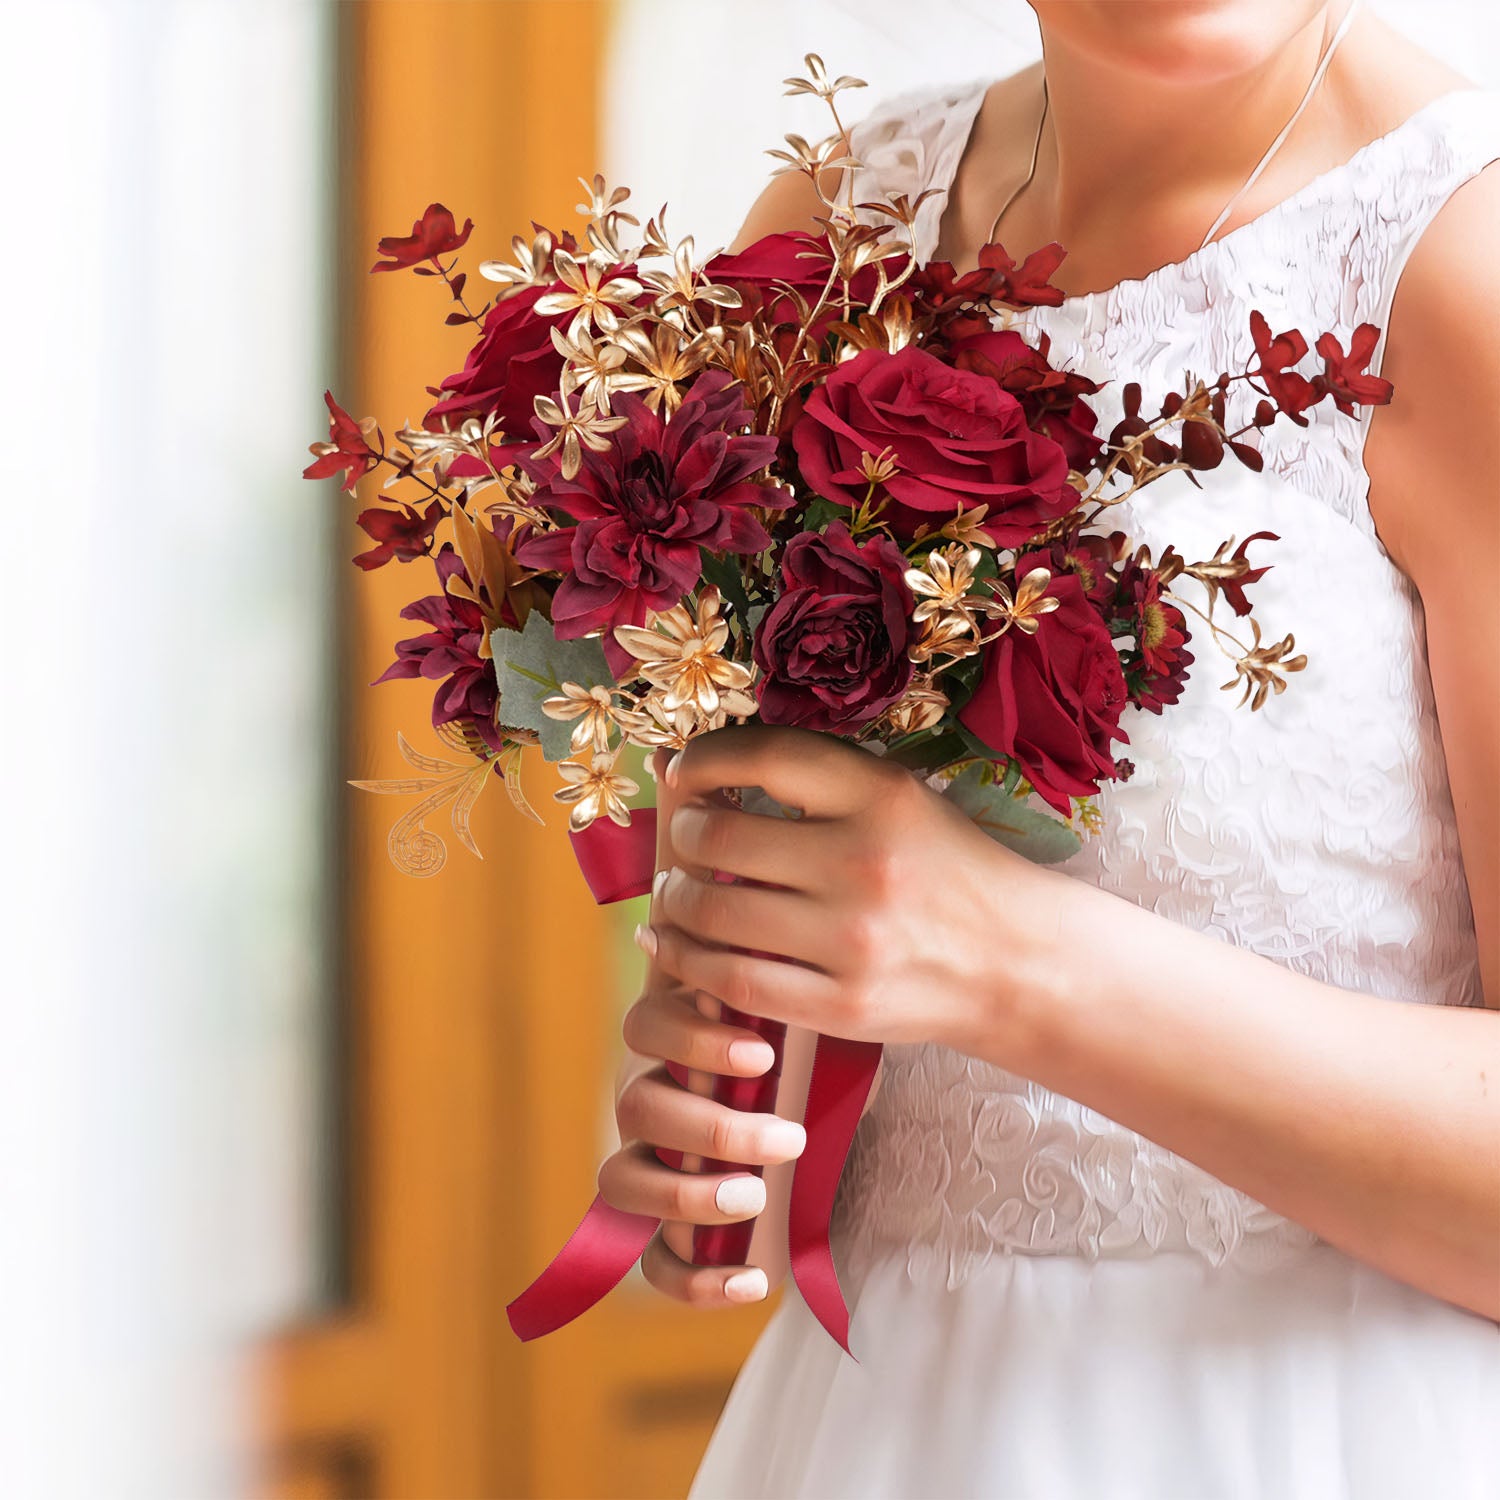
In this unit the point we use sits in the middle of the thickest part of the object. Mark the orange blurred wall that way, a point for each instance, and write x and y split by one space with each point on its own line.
480 1015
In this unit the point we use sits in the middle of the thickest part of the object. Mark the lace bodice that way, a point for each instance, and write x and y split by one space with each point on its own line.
1318 831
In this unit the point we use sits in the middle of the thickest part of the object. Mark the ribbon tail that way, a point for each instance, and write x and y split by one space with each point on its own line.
842 1073
618 863
599 1253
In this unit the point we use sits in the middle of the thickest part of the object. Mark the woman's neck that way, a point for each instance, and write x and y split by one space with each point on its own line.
1117 144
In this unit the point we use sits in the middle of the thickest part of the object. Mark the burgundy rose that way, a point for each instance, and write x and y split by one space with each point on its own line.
833 649
644 507
1050 398
1053 700
802 261
959 440
512 363
449 655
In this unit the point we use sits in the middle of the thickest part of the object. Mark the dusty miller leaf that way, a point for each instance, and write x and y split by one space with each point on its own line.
1042 839
532 664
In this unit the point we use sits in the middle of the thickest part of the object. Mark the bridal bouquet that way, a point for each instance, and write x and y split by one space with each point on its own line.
814 483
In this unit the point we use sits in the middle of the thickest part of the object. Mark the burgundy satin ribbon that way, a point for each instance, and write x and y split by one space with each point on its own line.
618 863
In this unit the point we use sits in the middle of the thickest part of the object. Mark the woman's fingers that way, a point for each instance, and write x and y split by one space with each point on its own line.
769 987
635 1181
656 1109
702 1286
716 911
669 1026
815 773
754 846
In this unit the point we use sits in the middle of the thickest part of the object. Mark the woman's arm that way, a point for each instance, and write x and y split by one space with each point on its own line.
1373 1122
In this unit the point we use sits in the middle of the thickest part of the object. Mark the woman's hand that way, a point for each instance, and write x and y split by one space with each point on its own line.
881 914
653 1109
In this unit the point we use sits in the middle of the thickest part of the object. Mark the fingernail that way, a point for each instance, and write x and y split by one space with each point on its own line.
645 940
784 1138
747 1286
670 774
751 1057
658 880
741 1196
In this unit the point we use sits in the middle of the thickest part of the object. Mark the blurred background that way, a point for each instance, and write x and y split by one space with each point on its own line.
282 1131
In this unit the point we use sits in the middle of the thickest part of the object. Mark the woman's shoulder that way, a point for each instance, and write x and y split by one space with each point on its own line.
899 144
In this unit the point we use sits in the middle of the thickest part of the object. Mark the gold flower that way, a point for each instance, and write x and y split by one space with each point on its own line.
587 427
1031 601
920 707
587 292
596 790
680 653
594 708
665 361
950 612
683 285
599 368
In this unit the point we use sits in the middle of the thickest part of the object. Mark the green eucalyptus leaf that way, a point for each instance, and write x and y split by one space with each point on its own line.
532 664
1040 837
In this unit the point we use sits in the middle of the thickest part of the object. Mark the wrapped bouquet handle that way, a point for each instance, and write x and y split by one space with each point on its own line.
618 863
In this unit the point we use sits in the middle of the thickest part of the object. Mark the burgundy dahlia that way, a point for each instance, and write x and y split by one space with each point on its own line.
636 515
449 655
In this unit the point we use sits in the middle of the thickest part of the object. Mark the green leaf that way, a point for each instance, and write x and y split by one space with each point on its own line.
1041 838
819 511
724 573
532 664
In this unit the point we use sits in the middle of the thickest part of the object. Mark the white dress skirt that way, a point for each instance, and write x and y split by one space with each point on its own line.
1047 1306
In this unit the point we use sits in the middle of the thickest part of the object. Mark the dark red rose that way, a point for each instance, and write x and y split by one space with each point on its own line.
349 451
1053 700
833 649
449 655
434 234
1344 376
643 508
1292 393
802 261
959 439
512 363
1050 398
404 533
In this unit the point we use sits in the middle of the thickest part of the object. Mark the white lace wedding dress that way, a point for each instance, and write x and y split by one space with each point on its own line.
1046 1305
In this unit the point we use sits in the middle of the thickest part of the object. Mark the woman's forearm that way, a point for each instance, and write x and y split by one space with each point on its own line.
1374 1123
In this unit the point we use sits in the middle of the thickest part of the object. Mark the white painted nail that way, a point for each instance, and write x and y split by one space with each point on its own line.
645 940
741 1196
747 1286
658 880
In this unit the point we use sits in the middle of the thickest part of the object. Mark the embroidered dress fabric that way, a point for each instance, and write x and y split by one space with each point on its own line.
1046 1304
